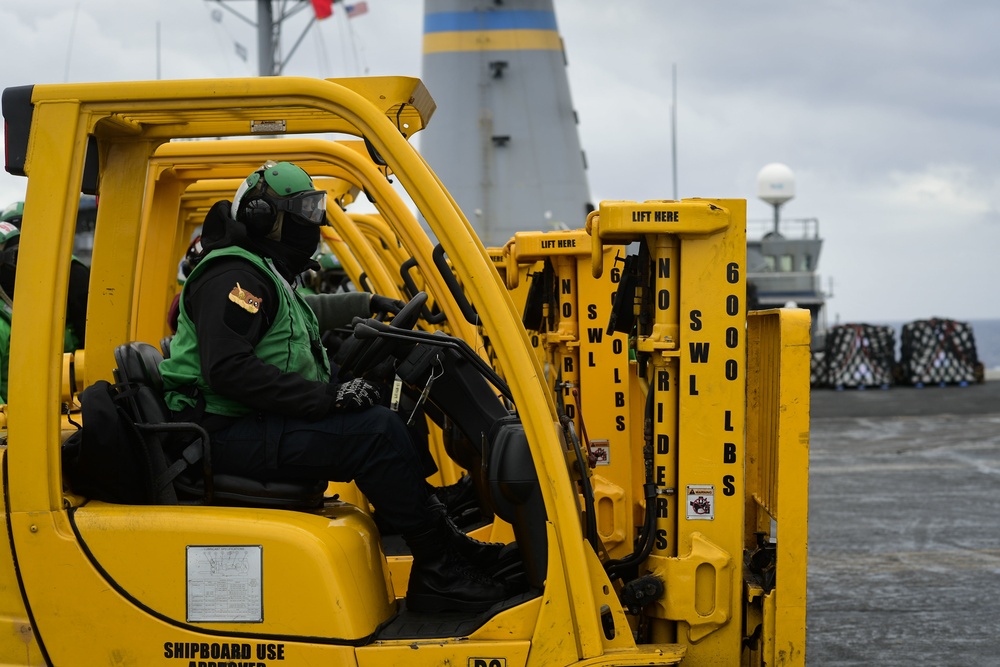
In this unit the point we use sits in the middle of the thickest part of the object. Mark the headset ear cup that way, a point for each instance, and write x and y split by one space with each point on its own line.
259 216
8 270
8 258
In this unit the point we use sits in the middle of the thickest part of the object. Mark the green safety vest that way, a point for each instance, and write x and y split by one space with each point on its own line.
71 342
292 343
5 313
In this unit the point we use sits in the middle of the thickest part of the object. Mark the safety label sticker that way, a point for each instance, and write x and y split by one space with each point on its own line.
601 450
224 584
700 502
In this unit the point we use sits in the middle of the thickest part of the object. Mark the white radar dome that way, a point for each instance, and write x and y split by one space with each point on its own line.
775 183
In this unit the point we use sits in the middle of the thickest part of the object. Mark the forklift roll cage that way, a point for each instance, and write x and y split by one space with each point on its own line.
130 121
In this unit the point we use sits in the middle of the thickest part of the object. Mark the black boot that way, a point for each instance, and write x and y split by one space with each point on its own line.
459 498
442 579
481 554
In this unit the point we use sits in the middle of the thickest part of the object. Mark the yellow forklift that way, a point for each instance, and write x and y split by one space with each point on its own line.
724 447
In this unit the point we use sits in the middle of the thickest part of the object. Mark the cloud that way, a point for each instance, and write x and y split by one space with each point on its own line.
943 192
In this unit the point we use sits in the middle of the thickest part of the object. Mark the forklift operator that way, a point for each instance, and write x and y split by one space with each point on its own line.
247 362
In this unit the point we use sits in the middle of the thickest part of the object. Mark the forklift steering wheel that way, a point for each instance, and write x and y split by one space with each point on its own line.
367 352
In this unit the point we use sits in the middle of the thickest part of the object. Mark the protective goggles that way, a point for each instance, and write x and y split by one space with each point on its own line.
309 206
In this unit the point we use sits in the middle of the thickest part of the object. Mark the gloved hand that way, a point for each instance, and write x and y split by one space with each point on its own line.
384 304
355 395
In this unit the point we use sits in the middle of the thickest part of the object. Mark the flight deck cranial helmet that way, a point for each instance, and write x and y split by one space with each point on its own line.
13 213
273 193
8 232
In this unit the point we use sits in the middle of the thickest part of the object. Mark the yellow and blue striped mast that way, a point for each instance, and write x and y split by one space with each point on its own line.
504 140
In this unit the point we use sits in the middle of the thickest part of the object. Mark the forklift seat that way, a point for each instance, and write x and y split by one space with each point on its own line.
176 455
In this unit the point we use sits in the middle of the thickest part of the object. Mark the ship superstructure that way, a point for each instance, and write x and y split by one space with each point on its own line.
504 141
782 264
783 254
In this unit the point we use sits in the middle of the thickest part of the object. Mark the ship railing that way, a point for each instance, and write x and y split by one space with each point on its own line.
793 228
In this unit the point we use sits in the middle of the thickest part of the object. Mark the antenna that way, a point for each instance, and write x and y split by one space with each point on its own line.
269 60
157 50
69 48
775 185
673 131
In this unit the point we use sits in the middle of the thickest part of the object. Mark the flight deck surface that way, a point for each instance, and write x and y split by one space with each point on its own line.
904 527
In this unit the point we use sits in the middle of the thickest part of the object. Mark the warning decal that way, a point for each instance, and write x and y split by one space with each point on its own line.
700 502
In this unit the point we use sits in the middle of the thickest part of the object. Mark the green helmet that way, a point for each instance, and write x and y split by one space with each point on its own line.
13 213
278 186
7 232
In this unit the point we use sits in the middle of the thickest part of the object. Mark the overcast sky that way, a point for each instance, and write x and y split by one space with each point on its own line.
887 111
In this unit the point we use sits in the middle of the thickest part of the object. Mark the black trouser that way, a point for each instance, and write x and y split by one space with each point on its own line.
371 448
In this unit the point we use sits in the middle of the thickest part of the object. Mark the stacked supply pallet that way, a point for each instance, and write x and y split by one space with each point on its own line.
940 352
817 369
858 356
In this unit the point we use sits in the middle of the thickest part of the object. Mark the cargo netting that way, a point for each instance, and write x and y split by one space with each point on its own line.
940 352
857 356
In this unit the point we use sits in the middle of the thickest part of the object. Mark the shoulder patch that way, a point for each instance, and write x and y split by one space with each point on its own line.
245 299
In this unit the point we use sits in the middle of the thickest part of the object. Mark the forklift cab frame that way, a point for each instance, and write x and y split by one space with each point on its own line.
125 124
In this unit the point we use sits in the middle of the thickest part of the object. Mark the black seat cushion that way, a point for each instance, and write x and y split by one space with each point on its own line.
245 492
138 370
